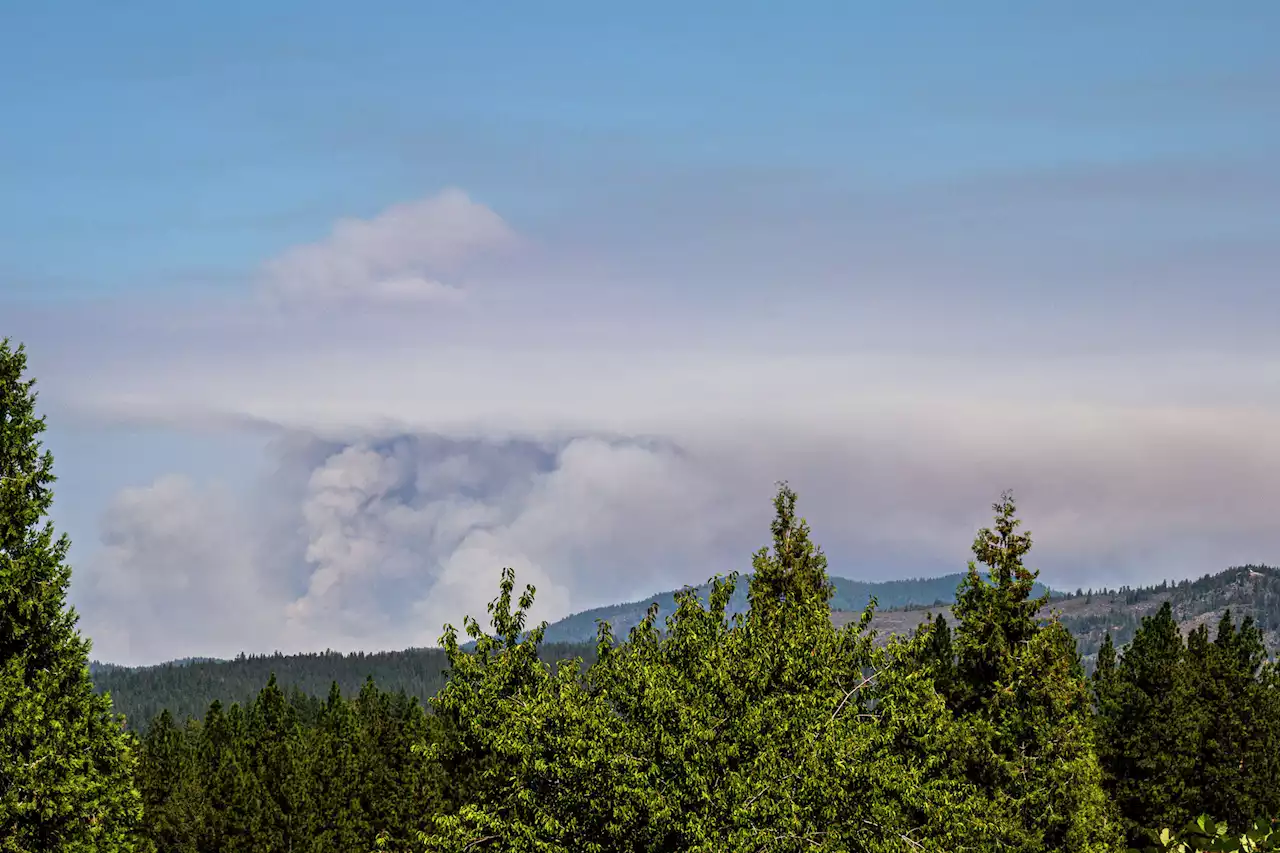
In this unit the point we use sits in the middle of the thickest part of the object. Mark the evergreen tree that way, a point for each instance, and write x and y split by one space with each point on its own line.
1020 687
276 751
1235 769
170 788
1148 736
939 653
1104 673
232 800
66 765
341 822
396 784
794 576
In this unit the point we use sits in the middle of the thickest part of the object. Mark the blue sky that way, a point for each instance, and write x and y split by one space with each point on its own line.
266 251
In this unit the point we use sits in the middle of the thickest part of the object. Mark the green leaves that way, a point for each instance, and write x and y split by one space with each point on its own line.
1018 691
1204 835
770 730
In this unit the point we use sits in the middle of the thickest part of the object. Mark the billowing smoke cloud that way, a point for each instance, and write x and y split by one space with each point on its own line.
181 570
376 541
395 257
614 426
386 539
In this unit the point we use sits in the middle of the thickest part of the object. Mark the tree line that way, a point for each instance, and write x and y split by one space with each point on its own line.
185 689
767 729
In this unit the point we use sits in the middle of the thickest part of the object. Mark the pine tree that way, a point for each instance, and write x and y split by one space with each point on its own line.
794 575
999 618
66 765
232 800
1104 673
939 653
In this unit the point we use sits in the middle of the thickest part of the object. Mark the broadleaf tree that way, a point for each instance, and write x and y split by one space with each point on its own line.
765 731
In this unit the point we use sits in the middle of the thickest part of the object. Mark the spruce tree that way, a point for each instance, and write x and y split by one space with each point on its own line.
66 764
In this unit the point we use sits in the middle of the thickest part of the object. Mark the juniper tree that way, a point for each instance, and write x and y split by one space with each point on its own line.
66 765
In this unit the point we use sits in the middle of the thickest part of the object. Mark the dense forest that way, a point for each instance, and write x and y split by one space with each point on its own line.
185 690
767 729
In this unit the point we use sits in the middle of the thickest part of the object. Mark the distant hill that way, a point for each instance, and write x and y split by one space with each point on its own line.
1245 590
187 687
850 595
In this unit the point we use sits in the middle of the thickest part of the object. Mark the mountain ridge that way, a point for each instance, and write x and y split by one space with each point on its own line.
186 687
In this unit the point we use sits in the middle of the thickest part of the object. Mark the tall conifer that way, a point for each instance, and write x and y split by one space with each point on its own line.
66 765
1020 689
1146 728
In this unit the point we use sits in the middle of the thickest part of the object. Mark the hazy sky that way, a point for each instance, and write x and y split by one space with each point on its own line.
337 310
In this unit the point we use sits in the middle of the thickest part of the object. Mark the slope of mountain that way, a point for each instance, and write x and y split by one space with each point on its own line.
850 595
187 687
1244 590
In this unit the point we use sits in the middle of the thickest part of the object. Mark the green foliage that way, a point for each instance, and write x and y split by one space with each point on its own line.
1146 729
769 730
66 765
287 774
1235 770
1203 835
1189 728
726 727
1019 691
186 688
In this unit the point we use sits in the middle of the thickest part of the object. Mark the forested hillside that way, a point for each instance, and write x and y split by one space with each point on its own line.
187 687
848 595
1090 615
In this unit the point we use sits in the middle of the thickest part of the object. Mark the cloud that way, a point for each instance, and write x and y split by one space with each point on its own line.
393 257
610 421
376 540
178 570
